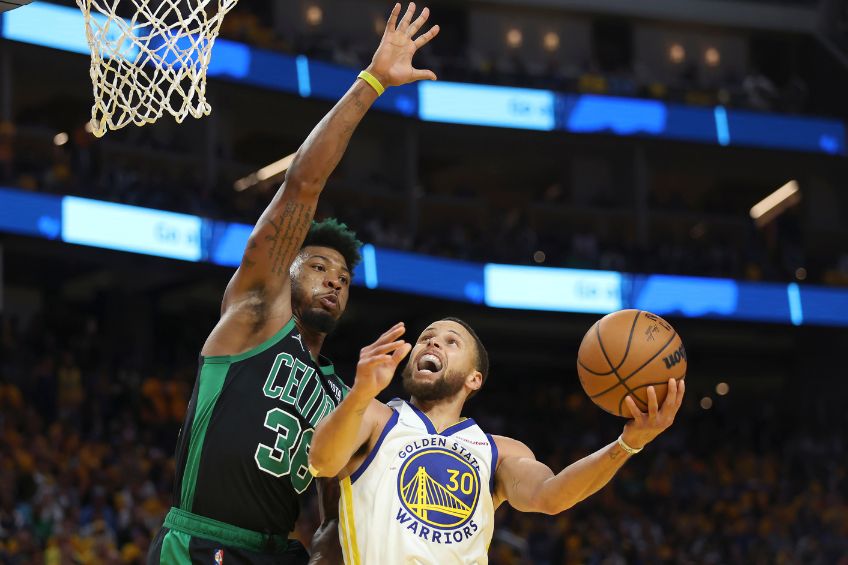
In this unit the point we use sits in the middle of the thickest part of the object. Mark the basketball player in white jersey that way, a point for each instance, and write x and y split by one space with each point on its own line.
420 484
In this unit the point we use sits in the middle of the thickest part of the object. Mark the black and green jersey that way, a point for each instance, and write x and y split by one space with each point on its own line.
242 453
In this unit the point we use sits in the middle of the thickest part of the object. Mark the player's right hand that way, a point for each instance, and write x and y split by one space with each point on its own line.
378 361
392 62
644 428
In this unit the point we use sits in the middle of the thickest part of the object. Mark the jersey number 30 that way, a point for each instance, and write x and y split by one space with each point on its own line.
290 451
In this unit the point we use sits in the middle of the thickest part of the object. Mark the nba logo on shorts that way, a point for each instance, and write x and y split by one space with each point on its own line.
219 556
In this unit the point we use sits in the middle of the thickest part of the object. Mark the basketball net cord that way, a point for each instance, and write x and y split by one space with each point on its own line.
152 63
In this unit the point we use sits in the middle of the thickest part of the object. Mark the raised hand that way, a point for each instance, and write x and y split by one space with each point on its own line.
392 62
378 361
644 428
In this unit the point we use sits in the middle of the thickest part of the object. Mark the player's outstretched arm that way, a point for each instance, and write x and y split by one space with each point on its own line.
531 486
280 231
359 418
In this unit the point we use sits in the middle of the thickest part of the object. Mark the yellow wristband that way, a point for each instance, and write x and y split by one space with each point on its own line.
372 80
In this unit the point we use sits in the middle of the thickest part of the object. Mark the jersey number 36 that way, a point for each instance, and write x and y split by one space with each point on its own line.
290 451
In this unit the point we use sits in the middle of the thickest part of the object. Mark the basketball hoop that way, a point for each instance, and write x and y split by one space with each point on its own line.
152 63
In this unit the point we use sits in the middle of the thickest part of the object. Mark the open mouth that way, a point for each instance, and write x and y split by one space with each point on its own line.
429 364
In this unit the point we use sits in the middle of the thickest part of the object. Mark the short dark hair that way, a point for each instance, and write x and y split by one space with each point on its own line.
336 235
482 361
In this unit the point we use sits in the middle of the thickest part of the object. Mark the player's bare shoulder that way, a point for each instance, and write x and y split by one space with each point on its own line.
248 321
509 447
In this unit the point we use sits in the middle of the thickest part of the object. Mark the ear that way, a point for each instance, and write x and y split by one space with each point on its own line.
474 381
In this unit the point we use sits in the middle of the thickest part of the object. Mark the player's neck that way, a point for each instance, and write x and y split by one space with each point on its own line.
442 413
311 339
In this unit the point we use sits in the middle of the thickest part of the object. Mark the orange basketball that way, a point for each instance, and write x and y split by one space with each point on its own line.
626 352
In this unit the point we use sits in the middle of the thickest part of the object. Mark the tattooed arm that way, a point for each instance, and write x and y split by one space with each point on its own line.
259 291
281 229
531 486
257 300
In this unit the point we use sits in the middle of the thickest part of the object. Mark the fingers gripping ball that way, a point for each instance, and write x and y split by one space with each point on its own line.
626 352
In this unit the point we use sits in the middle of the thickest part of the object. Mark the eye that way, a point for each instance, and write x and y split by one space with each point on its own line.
344 280
319 267
452 341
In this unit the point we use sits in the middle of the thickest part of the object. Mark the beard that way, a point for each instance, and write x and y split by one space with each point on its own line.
446 386
315 318
318 320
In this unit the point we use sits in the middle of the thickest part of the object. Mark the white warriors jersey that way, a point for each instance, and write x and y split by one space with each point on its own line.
420 497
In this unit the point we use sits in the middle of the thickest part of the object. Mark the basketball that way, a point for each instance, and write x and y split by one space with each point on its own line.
626 352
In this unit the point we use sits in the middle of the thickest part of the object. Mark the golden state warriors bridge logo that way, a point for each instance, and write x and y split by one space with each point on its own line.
441 489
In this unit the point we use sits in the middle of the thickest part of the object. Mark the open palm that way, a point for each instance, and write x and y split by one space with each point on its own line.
392 62
379 361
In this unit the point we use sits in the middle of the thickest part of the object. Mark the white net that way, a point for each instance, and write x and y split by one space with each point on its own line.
152 61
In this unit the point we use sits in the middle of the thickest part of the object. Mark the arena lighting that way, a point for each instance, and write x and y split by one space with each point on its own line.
776 203
514 37
60 139
712 57
676 53
551 41
549 110
314 15
192 238
263 174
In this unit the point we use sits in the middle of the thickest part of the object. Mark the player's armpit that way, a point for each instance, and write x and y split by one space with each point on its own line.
520 478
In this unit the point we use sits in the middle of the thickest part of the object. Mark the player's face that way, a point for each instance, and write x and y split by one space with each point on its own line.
442 361
320 287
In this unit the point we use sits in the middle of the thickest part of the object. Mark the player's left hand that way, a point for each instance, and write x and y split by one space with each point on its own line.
379 361
392 62
644 428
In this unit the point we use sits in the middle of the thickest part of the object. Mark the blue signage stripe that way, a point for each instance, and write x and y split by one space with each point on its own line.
191 238
62 27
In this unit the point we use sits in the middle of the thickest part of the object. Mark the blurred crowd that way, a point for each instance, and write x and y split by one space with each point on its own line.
742 482
87 436
611 68
544 226
86 447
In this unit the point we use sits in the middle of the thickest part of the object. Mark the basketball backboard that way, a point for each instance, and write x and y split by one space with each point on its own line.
6 5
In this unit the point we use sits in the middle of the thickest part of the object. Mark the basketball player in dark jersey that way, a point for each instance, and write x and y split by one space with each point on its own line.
263 385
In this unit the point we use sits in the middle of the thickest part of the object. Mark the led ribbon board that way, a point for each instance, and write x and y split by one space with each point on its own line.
62 27
191 238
